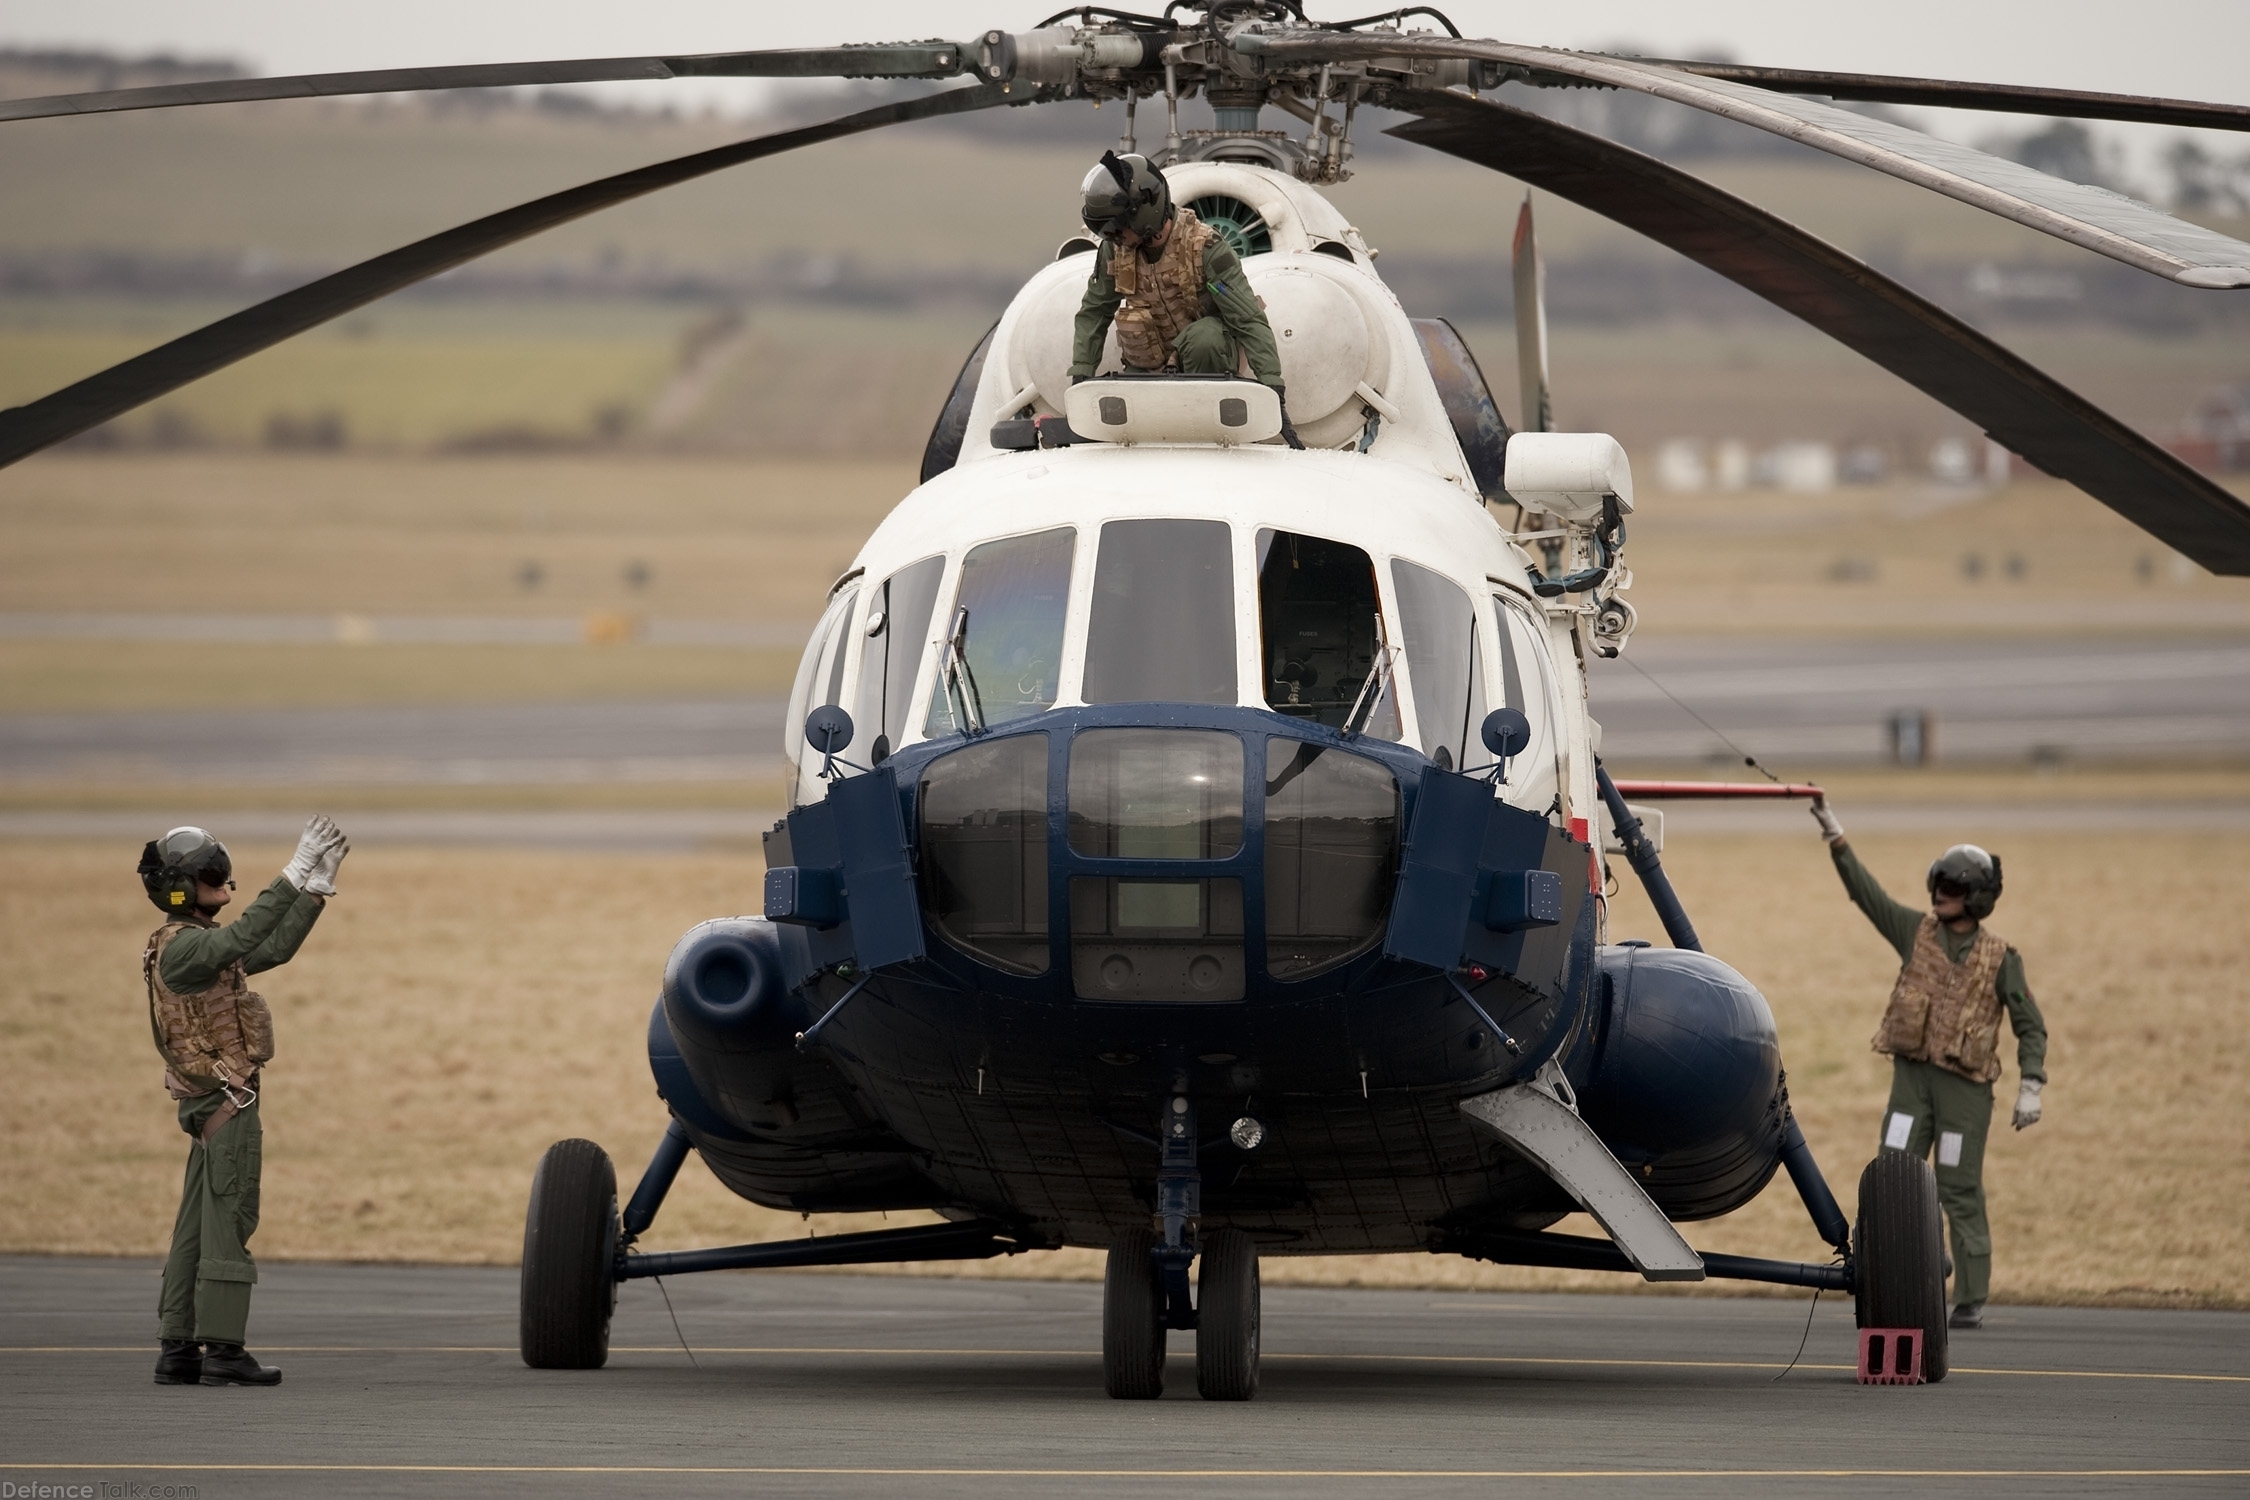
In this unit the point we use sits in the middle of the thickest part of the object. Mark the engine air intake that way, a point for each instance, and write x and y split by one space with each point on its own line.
1240 225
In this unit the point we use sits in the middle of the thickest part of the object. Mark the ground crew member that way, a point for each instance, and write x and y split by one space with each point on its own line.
215 1034
1170 282
1942 1034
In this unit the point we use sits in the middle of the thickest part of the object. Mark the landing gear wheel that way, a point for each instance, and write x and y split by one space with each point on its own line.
1133 1320
569 1251
1900 1239
1226 1318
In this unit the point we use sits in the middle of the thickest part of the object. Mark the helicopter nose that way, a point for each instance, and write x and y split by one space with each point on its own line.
1191 858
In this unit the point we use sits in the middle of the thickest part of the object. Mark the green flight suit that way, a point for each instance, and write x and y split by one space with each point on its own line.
1208 345
1932 1106
209 1273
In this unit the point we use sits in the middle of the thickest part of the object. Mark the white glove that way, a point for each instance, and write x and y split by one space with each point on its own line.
323 881
319 836
1830 829
2027 1103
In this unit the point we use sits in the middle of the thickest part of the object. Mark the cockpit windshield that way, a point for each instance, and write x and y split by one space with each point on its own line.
1162 627
1007 632
1321 631
1440 629
898 622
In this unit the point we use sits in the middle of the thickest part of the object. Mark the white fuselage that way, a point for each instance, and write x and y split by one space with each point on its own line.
1349 355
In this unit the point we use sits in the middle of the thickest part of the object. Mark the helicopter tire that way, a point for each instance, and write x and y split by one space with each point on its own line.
1901 1266
569 1285
1226 1318
1133 1320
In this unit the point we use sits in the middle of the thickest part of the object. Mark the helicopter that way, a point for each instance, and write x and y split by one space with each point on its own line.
1197 828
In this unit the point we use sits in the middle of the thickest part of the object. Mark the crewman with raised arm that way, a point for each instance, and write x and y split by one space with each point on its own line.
215 1034
1171 284
1942 1034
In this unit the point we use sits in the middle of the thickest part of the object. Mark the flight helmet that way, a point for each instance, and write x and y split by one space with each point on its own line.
1125 192
172 865
1972 873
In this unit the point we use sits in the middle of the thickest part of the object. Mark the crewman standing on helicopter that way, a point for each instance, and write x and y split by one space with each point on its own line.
1171 283
1942 1034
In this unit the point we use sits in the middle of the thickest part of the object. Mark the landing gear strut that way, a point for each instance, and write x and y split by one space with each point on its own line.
1145 1292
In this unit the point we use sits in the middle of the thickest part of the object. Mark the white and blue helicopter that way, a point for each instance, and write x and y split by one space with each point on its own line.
1196 837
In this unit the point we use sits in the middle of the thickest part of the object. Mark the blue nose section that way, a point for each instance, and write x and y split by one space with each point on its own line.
1167 853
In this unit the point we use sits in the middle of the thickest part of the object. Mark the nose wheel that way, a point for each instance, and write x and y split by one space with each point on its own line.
1145 1288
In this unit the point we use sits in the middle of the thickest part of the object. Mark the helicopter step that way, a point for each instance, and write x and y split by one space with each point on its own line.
1539 1120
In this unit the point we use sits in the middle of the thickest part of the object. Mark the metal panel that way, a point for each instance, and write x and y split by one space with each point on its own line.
812 843
879 894
1515 843
1437 880
1540 1127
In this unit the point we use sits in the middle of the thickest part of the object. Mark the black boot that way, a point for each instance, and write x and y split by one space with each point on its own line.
1967 1315
231 1364
178 1362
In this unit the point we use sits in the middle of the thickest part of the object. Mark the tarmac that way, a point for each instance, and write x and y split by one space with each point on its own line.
404 1380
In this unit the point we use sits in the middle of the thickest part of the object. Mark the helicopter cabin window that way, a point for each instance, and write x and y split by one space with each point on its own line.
1527 684
1330 856
898 625
820 681
1439 626
1156 939
1162 625
1170 794
1005 632
1321 632
1156 794
983 814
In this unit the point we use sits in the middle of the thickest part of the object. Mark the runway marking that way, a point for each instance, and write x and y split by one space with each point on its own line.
1455 1359
842 1472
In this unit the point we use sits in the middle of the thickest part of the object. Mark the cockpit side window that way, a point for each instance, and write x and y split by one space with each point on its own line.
1162 625
898 626
1527 684
1440 629
1014 592
1321 633
820 676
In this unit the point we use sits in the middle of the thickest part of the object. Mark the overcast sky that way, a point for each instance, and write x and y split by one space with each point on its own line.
2196 49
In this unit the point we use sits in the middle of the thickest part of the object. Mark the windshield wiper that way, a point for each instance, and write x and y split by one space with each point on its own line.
966 703
1372 689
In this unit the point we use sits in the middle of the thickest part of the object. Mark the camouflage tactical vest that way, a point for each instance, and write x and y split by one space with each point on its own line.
1160 298
1944 1012
221 1035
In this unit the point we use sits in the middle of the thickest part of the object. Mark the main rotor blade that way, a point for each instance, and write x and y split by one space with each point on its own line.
25 430
1537 413
1943 93
896 60
2107 223
2024 410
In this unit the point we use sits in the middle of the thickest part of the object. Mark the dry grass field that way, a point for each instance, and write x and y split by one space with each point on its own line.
717 539
455 1012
